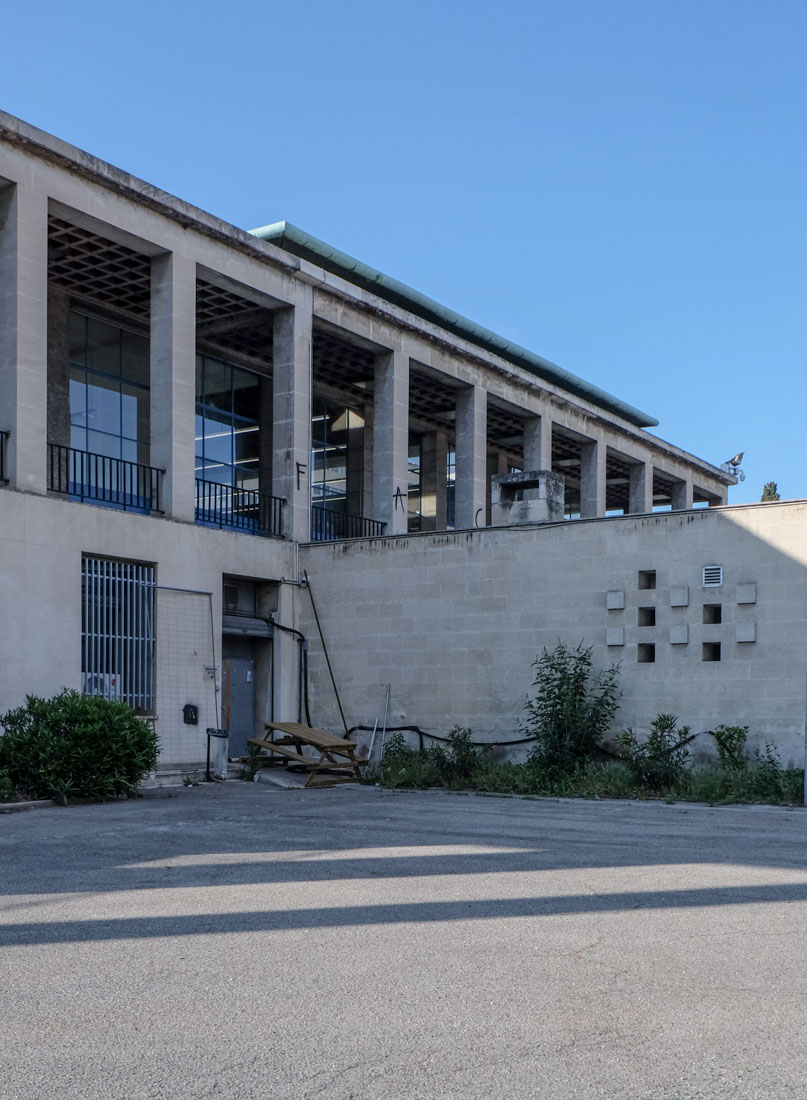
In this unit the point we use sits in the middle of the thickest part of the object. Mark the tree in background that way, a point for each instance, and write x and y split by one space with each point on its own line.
769 491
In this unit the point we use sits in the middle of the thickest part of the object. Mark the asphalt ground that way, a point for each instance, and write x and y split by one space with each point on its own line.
239 941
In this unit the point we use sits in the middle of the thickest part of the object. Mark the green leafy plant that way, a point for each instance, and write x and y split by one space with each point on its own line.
76 746
7 792
573 708
403 766
770 491
253 763
766 774
453 764
456 763
730 742
658 761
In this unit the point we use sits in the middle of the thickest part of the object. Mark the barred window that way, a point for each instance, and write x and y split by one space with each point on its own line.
117 631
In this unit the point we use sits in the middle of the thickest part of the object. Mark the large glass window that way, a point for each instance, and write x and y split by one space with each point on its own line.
227 424
109 389
336 437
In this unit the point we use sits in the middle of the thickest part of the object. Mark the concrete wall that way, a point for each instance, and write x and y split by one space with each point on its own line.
42 540
453 621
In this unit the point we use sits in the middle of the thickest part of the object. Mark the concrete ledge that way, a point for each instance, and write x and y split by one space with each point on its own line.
18 807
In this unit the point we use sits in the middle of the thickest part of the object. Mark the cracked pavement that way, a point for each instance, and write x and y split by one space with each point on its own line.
239 941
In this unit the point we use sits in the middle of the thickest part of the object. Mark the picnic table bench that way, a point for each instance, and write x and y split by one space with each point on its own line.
333 754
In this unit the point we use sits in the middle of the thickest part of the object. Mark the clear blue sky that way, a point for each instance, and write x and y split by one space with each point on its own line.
619 185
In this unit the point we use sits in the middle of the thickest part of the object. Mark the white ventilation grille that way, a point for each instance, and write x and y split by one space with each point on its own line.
712 576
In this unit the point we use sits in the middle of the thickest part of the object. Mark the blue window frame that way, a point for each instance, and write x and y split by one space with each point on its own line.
227 424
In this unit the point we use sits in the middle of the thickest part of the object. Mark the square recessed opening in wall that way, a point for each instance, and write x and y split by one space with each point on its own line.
712 613
646 654
647 578
647 616
711 651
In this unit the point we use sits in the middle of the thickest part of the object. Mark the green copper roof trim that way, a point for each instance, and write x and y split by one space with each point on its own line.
318 252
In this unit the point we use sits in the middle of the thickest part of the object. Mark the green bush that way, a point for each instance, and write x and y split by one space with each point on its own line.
656 767
572 710
7 792
75 746
456 763
452 765
657 762
731 746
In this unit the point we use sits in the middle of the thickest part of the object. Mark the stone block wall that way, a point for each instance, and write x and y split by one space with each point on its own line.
453 621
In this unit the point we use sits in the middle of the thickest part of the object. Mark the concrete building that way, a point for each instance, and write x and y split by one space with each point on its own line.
192 414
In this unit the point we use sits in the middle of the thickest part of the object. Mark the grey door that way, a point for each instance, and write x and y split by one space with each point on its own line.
239 702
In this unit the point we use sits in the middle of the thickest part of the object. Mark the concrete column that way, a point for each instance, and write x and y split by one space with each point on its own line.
366 508
681 496
433 493
497 464
291 372
24 335
355 471
471 450
391 441
592 480
537 443
173 380
58 366
641 488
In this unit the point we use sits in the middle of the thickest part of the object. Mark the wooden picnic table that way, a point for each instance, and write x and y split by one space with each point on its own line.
333 754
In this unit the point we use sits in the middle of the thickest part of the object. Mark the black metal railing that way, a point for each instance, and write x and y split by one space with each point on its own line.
326 526
238 509
99 479
3 472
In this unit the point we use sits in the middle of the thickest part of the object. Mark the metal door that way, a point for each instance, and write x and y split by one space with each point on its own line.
239 702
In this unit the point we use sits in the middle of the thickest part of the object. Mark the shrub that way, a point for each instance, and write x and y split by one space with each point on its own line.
253 763
572 710
76 746
7 792
456 763
660 759
402 766
766 774
731 746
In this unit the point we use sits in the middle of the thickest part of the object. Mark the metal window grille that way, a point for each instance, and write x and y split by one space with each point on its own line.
712 576
117 631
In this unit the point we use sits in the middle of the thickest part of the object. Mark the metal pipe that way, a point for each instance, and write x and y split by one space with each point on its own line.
372 739
325 650
384 730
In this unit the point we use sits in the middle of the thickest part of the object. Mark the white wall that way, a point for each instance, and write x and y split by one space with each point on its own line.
42 540
453 621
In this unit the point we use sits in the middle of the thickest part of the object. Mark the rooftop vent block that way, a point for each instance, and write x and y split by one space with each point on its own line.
712 576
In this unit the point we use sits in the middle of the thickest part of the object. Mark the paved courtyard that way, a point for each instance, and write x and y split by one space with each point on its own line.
241 941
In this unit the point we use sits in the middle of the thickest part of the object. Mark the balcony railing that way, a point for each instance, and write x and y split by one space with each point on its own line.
3 438
99 479
238 509
326 526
